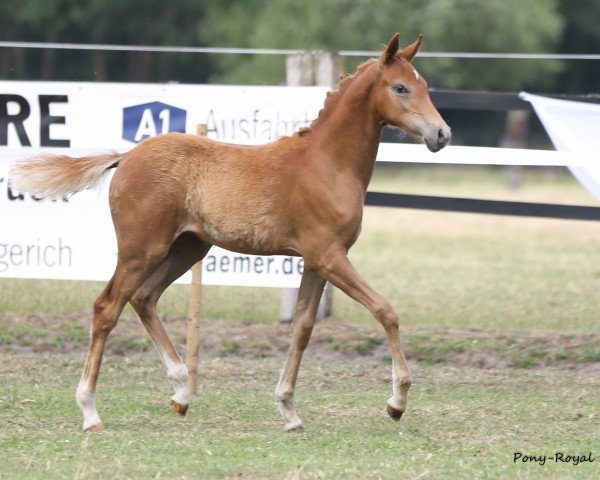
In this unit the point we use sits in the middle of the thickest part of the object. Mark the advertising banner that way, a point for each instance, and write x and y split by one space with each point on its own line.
73 238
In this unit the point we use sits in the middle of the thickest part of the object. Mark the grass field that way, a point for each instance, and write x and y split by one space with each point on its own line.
462 423
518 296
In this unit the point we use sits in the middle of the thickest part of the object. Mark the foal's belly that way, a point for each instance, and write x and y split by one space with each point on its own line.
241 225
254 236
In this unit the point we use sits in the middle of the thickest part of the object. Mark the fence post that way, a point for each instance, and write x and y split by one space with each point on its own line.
515 136
328 68
299 69
302 69
194 313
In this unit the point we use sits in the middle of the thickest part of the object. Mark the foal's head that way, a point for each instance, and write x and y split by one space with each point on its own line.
402 99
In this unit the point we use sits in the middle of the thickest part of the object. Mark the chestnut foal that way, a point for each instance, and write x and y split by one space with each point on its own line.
174 196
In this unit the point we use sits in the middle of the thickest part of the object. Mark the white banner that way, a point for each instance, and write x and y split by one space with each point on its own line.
105 115
573 127
74 239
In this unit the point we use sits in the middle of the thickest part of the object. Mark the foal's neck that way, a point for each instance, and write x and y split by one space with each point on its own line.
348 130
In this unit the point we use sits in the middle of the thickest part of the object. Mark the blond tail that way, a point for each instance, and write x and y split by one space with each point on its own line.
55 176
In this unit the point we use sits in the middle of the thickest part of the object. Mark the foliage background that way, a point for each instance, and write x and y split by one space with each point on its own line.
535 26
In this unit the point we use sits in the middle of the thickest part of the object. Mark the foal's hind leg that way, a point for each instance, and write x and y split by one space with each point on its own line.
185 251
129 274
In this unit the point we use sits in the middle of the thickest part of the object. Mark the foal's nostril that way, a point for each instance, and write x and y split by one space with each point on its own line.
443 136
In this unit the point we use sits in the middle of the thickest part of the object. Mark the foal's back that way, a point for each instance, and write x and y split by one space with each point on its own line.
230 195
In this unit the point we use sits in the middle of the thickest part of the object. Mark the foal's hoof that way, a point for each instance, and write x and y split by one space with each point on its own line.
394 413
294 426
178 408
97 427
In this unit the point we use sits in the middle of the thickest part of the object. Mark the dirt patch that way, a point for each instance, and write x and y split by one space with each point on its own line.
333 340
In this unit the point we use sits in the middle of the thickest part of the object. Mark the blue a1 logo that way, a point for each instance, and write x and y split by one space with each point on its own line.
150 119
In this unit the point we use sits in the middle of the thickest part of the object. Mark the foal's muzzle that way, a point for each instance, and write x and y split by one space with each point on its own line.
438 139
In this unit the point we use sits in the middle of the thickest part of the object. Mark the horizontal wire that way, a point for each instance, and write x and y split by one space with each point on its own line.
273 51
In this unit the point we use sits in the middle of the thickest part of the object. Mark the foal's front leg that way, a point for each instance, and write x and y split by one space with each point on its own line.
338 270
309 296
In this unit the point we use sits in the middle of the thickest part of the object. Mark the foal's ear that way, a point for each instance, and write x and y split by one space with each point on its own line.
391 50
410 51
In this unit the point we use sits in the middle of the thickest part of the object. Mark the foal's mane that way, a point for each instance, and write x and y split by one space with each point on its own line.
334 96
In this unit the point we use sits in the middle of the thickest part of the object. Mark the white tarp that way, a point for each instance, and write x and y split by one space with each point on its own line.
74 239
573 127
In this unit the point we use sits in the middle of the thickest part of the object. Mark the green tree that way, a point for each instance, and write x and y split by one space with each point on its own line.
534 26
581 35
449 25
567 26
133 22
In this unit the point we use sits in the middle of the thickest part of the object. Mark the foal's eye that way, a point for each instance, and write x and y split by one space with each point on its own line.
399 88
